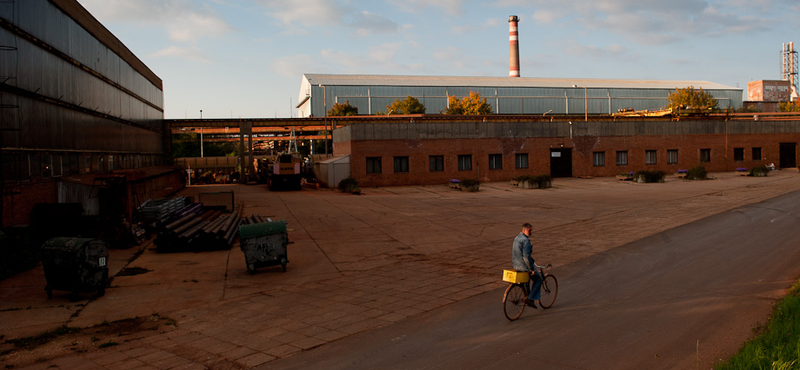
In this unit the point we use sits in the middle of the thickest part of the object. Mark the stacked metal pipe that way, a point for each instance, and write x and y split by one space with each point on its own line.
254 219
162 209
198 230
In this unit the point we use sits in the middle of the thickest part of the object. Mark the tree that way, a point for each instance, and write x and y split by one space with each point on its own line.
345 109
790 106
188 145
689 98
409 105
470 105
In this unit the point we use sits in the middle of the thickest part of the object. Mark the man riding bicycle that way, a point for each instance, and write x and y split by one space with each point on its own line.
523 261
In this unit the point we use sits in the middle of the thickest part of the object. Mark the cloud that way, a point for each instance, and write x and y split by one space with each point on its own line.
294 65
305 12
612 51
193 26
367 23
451 7
376 59
656 21
299 15
183 20
191 53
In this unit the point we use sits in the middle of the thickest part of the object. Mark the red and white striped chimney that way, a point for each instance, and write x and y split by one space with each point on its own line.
513 44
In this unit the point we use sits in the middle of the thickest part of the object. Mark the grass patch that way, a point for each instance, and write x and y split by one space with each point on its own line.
776 345
108 344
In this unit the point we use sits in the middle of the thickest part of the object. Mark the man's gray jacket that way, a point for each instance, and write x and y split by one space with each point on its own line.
521 253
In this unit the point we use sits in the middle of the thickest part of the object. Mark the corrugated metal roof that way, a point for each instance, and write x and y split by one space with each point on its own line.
471 81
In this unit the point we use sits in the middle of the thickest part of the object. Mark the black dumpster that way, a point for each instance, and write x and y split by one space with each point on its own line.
77 265
264 244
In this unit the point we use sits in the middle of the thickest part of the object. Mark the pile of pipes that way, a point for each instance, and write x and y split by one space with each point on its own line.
254 219
161 210
197 230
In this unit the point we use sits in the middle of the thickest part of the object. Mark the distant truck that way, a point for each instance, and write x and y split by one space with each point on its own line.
285 172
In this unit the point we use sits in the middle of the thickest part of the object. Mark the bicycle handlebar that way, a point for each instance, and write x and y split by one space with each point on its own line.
549 265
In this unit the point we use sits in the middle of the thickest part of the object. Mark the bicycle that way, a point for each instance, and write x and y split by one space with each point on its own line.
517 291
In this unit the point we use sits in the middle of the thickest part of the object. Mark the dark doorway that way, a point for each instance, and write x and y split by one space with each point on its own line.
561 162
788 155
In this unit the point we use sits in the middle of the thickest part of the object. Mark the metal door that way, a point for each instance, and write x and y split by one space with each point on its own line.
561 162
788 155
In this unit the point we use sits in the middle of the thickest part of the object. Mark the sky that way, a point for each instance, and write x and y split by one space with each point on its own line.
246 58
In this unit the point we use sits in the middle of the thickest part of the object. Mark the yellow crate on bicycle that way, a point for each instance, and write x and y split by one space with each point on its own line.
516 277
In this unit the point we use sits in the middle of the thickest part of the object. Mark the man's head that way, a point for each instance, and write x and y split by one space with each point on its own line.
527 228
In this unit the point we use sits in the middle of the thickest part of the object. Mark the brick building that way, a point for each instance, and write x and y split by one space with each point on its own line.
769 90
435 149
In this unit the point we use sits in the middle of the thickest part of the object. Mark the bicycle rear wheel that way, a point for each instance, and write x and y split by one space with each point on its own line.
549 291
514 301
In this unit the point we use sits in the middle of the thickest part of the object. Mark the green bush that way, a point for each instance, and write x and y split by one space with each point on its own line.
759 171
697 173
650 176
469 182
348 184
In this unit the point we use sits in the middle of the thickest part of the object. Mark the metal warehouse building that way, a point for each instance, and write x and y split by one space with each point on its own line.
74 102
372 93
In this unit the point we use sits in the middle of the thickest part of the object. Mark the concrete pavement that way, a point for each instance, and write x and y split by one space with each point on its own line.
356 263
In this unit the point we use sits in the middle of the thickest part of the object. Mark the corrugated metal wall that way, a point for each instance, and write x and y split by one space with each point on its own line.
507 100
70 103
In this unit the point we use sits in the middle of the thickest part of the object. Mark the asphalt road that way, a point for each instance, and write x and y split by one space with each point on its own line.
681 299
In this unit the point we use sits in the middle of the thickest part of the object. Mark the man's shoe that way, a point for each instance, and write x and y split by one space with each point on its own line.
530 303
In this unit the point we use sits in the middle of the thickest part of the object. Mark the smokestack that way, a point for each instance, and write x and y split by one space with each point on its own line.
513 45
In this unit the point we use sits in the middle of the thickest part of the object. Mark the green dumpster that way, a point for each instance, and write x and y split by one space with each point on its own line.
77 265
264 244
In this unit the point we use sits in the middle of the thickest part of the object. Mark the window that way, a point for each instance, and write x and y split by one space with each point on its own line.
650 157
10 166
47 166
495 161
58 166
622 158
705 155
74 164
599 158
373 164
400 164
464 162
672 156
756 154
521 160
738 154
35 165
437 163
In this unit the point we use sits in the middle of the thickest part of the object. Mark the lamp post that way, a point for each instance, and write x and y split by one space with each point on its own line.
201 135
325 107
585 102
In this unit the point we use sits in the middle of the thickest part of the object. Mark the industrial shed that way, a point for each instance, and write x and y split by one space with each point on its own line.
74 101
372 93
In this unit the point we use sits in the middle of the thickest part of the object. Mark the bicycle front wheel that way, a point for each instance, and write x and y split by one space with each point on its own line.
549 291
514 301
